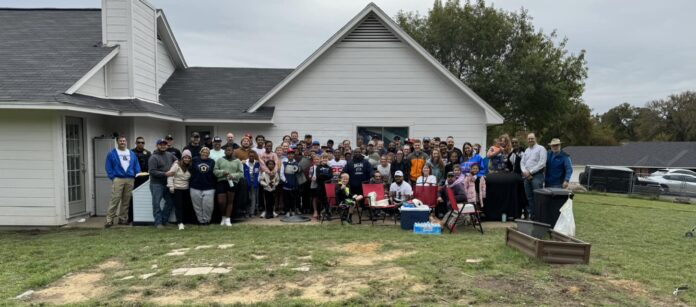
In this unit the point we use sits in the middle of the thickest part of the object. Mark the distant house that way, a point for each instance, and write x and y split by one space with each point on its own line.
643 157
68 76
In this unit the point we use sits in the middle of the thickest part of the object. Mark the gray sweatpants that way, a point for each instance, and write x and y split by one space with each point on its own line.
202 201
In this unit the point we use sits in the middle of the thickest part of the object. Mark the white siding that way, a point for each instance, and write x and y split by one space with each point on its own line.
165 67
151 130
116 15
375 84
144 51
94 86
31 176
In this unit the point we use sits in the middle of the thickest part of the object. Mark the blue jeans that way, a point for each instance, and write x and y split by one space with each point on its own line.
161 215
537 182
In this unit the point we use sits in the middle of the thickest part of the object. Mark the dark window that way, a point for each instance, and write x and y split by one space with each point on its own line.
386 134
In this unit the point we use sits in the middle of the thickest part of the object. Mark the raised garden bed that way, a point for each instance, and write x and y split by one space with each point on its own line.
558 249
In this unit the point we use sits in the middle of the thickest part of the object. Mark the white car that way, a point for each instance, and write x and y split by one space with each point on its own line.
665 171
676 183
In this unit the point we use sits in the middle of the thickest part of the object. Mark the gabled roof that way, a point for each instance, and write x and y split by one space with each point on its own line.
200 93
492 116
638 154
43 52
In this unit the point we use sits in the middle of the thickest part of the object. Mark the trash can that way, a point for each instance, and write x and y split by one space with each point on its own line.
547 203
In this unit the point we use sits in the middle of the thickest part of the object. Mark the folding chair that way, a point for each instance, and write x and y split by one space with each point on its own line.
427 194
475 215
330 198
378 188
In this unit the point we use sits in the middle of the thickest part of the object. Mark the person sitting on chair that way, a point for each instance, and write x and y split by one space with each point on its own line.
346 198
400 191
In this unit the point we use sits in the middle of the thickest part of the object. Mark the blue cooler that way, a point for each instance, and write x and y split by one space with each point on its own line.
414 215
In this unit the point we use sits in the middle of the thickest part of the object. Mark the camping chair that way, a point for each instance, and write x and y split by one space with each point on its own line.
378 188
475 215
330 198
427 194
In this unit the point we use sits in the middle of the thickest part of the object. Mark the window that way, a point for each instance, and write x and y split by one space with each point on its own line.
386 134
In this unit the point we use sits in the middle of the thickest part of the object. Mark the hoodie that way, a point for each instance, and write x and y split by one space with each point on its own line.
114 168
360 170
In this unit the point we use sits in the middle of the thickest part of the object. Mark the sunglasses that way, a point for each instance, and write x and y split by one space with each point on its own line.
140 142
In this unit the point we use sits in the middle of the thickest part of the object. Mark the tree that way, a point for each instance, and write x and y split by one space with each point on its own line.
622 119
523 73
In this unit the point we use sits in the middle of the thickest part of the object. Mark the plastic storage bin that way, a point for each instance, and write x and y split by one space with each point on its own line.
427 228
409 216
547 203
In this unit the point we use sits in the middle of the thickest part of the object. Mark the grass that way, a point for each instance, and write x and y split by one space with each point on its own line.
639 256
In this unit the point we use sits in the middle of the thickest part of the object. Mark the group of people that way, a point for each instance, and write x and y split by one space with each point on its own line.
267 181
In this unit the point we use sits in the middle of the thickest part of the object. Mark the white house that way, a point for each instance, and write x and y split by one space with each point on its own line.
68 76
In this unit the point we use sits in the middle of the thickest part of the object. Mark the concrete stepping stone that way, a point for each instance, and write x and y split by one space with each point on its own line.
225 246
146 276
203 247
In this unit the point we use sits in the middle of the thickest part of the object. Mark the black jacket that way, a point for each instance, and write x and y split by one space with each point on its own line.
403 166
360 170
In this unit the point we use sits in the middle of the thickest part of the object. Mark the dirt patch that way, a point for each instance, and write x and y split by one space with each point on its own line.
109 265
72 289
360 248
367 254
631 286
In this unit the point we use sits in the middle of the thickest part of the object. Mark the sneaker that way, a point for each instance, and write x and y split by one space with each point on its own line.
275 214
160 226
228 222
263 215
222 222
108 224
181 226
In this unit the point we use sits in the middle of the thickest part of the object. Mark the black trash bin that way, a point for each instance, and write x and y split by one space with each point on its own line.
548 202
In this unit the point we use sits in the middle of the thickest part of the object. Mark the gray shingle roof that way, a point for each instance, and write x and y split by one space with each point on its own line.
638 154
45 51
213 92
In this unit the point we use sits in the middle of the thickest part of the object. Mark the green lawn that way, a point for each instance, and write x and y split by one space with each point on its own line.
639 256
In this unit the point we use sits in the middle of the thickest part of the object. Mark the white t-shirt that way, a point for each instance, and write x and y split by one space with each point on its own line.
125 157
429 181
402 191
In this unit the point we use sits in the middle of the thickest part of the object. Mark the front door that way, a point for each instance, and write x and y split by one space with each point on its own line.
74 151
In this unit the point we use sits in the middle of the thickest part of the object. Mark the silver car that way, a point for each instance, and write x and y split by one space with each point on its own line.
676 183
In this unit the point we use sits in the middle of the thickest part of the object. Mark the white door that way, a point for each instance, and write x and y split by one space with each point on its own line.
74 151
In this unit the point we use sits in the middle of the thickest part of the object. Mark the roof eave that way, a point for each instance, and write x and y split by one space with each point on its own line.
170 40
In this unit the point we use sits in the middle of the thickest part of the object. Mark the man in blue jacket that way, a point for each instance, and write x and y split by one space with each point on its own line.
121 167
558 166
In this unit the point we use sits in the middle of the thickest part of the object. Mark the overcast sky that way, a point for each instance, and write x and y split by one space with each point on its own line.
637 51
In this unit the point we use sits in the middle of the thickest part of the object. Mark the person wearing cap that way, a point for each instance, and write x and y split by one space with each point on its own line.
121 167
532 165
559 168
159 166
208 141
202 185
426 146
400 191
217 151
316 148
360 171
230 141
291 187
170 146
228 170
242 153
178 185
195 145
455 182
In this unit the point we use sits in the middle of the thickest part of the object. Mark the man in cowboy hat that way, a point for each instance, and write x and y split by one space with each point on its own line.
558 166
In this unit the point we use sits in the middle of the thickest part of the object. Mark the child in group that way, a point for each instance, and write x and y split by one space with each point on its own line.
291 187
323 174
252 170
346 199
313 185
475 186
269 182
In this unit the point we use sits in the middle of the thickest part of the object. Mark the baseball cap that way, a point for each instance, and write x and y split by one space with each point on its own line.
291 150
162 141
316 143
207 137
217 139
398 173
450 174
169 137
248 135
426 139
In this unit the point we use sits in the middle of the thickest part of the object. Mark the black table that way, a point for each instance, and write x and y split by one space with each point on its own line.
504 194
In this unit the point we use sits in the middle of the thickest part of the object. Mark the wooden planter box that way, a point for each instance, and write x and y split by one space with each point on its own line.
559 249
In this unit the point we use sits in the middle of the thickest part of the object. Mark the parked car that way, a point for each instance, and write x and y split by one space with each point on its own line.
611 179
665 171
676 183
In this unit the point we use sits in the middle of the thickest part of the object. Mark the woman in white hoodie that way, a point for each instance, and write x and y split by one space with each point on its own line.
179 185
